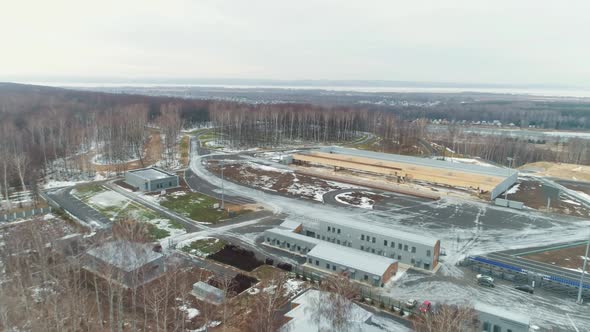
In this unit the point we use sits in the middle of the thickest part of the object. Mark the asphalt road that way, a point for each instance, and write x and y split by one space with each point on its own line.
77 208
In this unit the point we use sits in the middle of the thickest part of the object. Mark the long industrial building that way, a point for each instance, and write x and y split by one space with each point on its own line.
484 180
369 254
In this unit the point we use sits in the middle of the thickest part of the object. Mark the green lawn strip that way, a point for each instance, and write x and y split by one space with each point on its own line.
196 206
204 247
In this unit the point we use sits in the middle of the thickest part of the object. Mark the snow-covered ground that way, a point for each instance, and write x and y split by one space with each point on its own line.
470 161
346 198
108 199
514 189
464 227
100 159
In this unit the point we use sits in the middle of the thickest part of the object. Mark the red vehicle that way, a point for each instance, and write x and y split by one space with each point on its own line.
425 307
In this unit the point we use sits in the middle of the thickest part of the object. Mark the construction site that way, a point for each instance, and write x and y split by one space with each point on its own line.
410 175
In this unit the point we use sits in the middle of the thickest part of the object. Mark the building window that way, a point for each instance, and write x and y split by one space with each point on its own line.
497 328
267 239
405 247
333 230
338 230
362 247
413 249
298 248
317 263
399 257
393 244
413 261
363 237
327 266
399 246
385 243
329 228
288 245
317 236
427 253
374 239
426 266
310 260
373 250
333 267
170 183
486 326
366 277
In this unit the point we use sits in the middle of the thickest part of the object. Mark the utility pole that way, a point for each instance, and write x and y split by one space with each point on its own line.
222 189
579 301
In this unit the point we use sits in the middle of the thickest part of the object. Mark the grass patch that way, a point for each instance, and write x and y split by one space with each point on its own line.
88 190
195 206
157 233
204 247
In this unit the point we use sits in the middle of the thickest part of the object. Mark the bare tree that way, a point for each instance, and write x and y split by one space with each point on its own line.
448 318
265 315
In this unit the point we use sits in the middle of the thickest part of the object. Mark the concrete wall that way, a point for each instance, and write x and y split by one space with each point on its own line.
161 184
410 253
136 181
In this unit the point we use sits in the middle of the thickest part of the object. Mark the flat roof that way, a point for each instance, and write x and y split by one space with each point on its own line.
293 235
502 313
125 255
382 230
353 258
152 173
491 171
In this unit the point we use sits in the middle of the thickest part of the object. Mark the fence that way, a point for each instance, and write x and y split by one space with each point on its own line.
24 214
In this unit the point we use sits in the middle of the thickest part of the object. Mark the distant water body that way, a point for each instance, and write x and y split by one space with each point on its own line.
575 93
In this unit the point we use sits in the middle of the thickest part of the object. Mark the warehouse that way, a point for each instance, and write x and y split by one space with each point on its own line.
301 238
410 249
151 179
488 181
357 265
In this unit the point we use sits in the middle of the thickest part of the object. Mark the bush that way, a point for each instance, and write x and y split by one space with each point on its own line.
401 312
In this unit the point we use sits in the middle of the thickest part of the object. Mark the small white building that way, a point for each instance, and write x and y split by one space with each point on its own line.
151 179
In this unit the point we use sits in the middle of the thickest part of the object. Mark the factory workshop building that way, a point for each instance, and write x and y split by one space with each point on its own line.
151 179
485 180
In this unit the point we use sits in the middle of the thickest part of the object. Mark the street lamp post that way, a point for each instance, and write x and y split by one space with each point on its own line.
222 189
579 301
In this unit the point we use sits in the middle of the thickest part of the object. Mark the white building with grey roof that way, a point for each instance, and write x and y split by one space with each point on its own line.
151 179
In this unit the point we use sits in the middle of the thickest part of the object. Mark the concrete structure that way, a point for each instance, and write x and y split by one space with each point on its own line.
495 319
357 265
485 180
131 264
151 179
205 292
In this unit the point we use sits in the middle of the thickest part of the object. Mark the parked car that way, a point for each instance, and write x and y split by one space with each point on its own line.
425 307
486 281
525 288
411 303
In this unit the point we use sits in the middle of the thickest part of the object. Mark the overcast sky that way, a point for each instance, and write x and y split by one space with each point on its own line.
513 41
